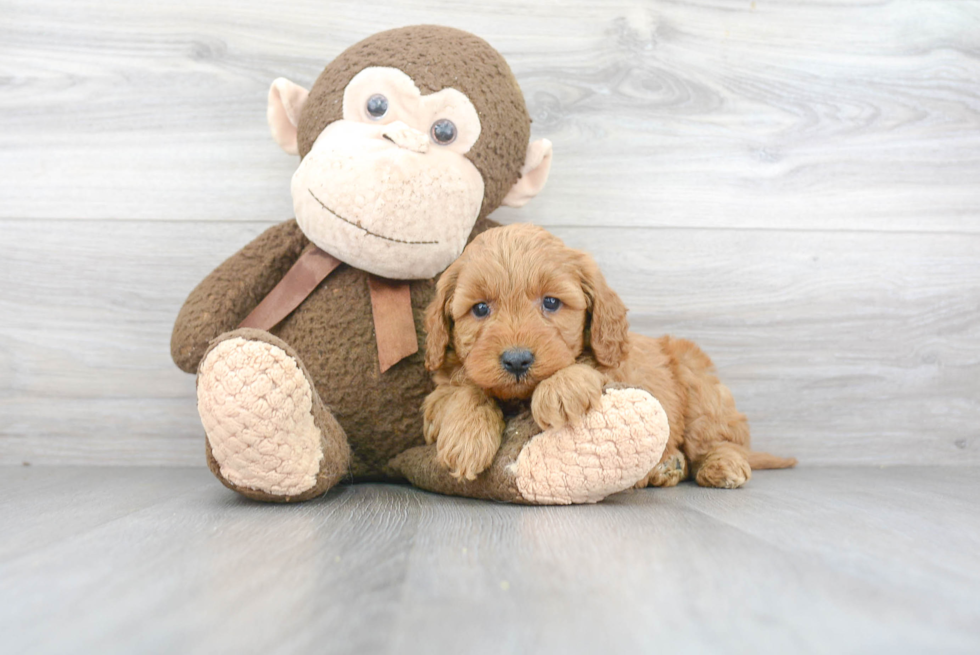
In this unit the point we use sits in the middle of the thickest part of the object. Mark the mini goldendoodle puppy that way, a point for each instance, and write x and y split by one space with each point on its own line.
519 315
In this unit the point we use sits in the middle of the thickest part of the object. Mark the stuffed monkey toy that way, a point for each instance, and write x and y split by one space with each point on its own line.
306 343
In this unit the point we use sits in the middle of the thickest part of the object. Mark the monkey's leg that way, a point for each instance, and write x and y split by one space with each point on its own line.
614 448
269 437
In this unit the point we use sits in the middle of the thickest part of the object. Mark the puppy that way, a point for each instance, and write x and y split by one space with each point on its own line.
520 316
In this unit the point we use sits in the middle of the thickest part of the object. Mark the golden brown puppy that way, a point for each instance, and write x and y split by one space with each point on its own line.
519 315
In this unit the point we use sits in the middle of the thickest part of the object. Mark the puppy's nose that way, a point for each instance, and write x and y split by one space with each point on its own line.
516 361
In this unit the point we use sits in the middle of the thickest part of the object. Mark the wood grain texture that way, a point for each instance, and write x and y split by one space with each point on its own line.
842 348
817 115
793 185
807 561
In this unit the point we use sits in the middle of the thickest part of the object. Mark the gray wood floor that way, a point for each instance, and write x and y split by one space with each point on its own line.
830 560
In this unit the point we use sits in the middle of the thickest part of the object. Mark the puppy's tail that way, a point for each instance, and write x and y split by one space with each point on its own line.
759 461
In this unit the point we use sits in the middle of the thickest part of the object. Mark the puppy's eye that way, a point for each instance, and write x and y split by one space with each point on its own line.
551 304
377 106
481 309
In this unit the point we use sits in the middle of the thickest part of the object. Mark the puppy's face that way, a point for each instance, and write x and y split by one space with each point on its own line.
516 307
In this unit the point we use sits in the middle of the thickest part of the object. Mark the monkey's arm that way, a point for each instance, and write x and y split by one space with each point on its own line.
421 467
225 297
615 447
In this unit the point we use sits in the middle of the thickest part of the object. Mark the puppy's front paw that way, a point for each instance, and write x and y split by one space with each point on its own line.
433 409
467 444
467 428
566 396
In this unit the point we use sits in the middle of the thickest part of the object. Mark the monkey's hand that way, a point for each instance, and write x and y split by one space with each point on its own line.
567 396
466 426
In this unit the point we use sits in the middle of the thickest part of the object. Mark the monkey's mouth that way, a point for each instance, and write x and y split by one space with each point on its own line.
367 231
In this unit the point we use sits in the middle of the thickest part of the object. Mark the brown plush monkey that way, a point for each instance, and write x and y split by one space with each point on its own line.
306 342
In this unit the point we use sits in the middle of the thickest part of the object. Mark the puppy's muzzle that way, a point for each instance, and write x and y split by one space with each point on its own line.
517 361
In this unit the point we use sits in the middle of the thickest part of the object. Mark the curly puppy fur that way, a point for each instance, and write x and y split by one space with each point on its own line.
519 315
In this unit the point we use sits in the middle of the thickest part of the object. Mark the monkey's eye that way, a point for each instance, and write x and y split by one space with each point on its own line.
481 310
443 131
377 106
551 304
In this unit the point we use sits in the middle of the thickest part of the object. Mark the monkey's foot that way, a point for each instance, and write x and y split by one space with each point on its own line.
615 447
268 435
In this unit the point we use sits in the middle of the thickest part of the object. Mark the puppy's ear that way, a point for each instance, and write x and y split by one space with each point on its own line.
608 328
438 318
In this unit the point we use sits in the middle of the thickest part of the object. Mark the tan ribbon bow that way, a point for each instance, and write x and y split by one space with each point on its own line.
391 305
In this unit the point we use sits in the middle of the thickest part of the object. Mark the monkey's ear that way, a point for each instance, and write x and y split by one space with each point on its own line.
534 174
286 100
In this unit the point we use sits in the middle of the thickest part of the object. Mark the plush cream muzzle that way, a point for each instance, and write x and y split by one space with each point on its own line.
381 199
379 190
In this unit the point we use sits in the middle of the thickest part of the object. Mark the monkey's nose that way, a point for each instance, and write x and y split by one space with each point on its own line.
516 361
406 137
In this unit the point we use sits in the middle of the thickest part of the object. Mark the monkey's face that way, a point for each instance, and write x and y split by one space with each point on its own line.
388 189
407 138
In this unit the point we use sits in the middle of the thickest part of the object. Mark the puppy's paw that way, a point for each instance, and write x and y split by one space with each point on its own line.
466 427
433 408
567 396
671 470
467 444
723 470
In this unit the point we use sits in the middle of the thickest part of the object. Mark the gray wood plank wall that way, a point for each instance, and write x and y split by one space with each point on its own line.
795 185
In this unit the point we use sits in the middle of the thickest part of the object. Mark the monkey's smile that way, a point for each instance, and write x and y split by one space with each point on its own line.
367 231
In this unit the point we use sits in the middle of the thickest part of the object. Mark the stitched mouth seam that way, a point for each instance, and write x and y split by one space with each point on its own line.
364 229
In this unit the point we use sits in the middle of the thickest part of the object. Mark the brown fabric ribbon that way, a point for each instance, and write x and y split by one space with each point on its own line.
391 305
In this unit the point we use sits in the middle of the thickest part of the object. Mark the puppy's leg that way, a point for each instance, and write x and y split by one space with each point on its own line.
716 434
433 408
673 466
567 396
466 426
671 470
724 467
716 441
